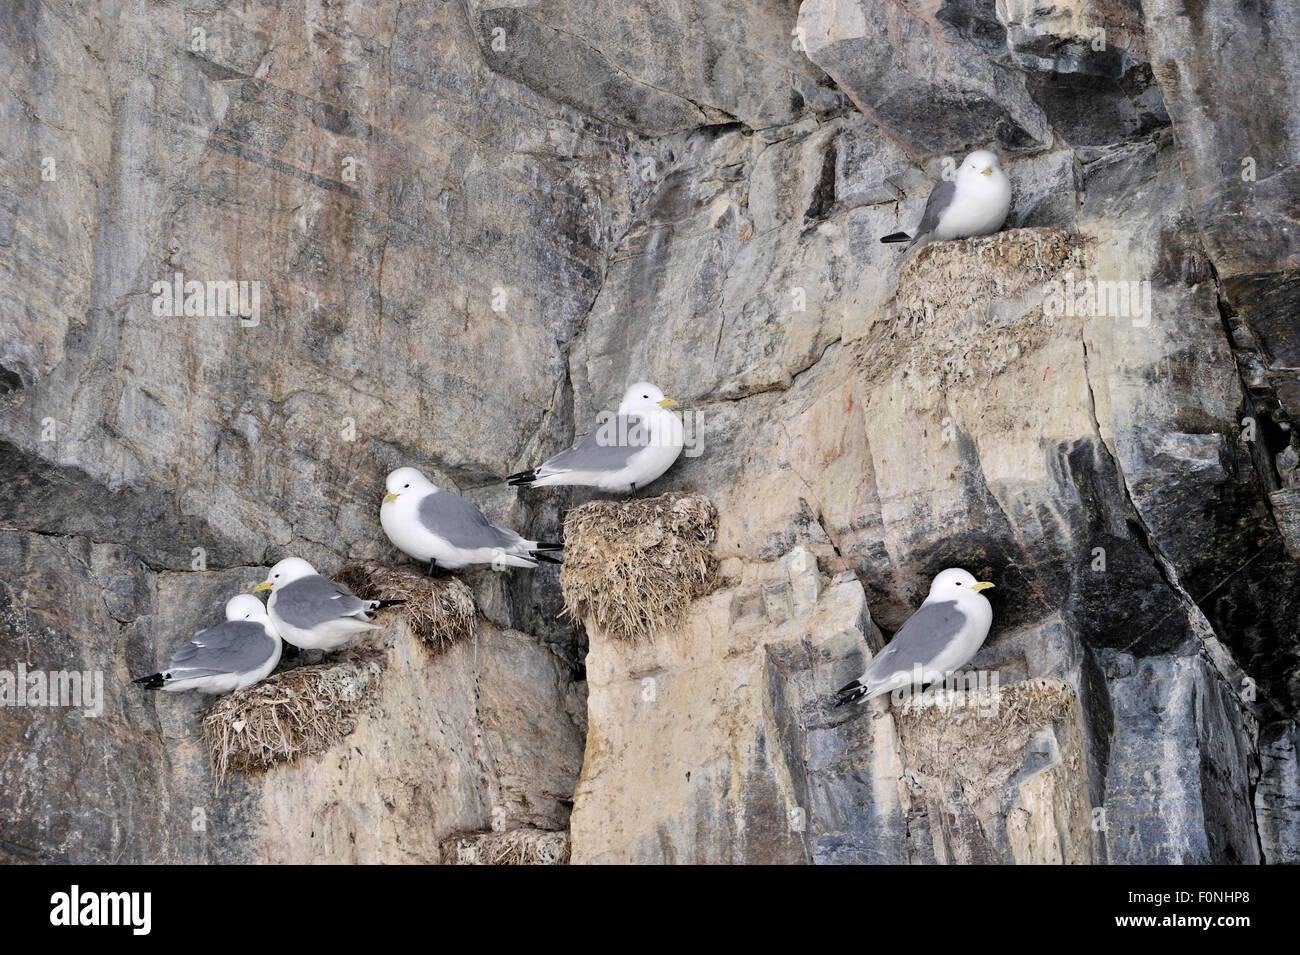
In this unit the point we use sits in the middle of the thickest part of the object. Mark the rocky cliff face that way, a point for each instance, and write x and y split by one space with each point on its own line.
473 223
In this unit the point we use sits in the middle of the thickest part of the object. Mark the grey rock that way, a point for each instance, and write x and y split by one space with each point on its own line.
1277 794
658 70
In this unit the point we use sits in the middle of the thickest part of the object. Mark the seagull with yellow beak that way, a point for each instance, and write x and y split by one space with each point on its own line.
975 201
433 524
313 612
625 452
942 636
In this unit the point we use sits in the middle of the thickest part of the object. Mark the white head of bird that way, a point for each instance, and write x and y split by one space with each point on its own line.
406 481
285 572
957 584
980 165
643 396
245 607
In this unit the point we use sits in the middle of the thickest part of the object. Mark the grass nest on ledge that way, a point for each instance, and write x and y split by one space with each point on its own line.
949 730
439 610
633 566
298 712
511 847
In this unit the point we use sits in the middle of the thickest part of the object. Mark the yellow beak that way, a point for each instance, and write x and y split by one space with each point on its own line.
668 403
982 585
987 171
264 585
390 496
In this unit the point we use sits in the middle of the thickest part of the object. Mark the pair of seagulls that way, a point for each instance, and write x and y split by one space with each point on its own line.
625 452
305 609
628 451
954 620
622 454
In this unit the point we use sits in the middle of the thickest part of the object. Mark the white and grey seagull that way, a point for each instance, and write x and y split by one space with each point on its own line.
229 656
313 612
974 202
944 633
625 452
432 524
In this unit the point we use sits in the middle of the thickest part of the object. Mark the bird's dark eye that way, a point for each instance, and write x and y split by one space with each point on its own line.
959 583
405 486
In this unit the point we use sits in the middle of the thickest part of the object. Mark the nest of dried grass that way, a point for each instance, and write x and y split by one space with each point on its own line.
298 712
439 610
512 847
633 566
964 311
986 728
945 280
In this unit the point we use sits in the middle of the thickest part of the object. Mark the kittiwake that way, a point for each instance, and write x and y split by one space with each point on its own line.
974 202
431 523
944 633
626 452
313 612
229 656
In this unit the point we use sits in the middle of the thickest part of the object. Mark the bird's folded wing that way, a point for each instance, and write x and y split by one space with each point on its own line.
941 197
311 601
461 524
607 448
236 646
921 640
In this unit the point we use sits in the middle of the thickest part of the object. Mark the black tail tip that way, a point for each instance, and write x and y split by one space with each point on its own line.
542 545
896 237
154 681
543 556
849 694
523 478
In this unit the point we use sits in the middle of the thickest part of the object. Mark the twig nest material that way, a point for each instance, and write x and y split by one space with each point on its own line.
966 310
439 610
299 712
511 847
632 566
946 730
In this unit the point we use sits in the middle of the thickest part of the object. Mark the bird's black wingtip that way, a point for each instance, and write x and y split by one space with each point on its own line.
544 556
851 693
896 237
381 604
523 478
154 681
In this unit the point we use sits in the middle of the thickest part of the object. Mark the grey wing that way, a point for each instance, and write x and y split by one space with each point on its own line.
311 601
938 203
460 523
607 448
919 641
236 646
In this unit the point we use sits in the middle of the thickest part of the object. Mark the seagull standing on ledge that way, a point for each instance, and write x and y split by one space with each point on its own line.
974 202
429 523
942 636
624 453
